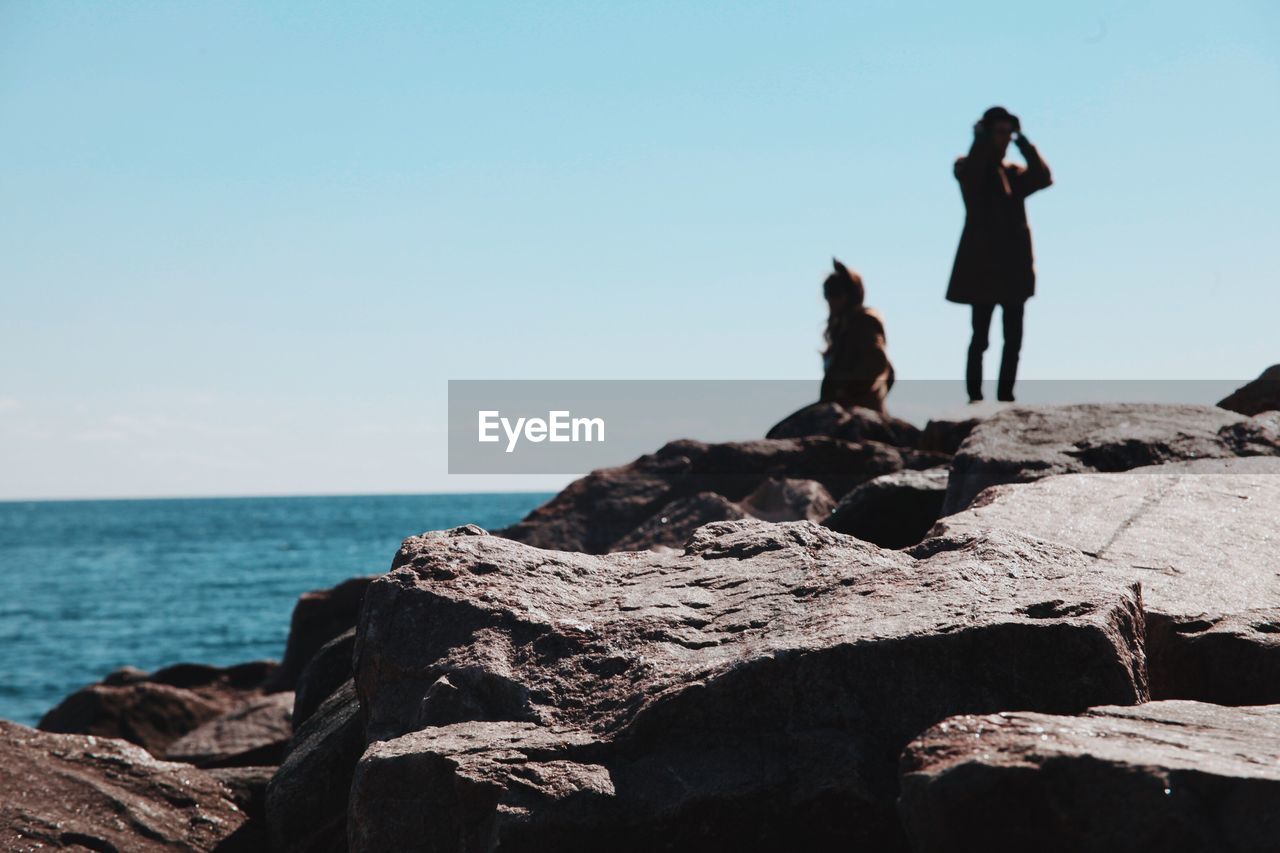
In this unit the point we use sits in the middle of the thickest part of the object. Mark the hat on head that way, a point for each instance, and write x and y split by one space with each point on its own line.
1001 114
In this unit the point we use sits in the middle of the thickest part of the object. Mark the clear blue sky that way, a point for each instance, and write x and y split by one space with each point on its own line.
244 245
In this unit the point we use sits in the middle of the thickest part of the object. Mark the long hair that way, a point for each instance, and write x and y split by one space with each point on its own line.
842 282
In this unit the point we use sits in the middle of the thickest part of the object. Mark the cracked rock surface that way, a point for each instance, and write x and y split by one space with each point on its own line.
92 793
1025 443
593 513
1203 539
759 685
1169 776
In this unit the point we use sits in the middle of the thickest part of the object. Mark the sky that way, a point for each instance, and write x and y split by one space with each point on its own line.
244 246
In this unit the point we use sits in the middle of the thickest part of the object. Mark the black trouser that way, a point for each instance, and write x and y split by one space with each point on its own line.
1011 314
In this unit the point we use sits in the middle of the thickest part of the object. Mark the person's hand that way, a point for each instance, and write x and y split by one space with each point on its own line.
979 130
1020 140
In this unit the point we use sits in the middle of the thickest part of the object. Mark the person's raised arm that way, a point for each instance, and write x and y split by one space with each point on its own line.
1036 176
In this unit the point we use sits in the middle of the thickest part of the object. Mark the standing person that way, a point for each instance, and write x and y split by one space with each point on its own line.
994 265
856 368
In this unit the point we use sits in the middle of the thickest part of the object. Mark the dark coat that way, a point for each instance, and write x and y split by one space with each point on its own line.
858 372
994 262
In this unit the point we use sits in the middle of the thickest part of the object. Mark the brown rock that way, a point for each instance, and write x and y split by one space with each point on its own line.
328 669
90 793
893 510
670 526
247 786
307 797
153 710
593 513
775 499
255 733
779 499
947 434
1169 776
850 423
759 685
1203 539
1260 395
318 617
1025 443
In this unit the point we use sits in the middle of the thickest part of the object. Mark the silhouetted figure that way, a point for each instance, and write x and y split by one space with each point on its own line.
857 371
994 265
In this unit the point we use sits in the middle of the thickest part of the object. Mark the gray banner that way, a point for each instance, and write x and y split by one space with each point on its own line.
575 426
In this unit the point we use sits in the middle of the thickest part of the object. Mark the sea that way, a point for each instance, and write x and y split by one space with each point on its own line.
87 587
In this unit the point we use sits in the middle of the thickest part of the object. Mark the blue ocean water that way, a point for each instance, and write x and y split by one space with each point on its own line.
90 586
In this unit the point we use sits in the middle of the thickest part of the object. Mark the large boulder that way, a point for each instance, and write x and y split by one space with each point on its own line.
1260 395
306 800
893 510
851 423
757 686
253 734
153 710
1169 776
328 669
90 793
1203 540
775 499
780 499
592 514
1025 443
670 526
318 617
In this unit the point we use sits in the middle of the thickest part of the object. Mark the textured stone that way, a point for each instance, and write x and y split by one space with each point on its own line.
947 434
153 710
1025 443
1203 539
91 793
255 733
851 423
307 797
318 617
327 670
759 685
596 511
893 510
775 499
779 499
1168 776
670 526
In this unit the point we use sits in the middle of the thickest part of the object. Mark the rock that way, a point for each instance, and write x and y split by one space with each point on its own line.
247 787
325 673
255 733
1024 443
307 797
1260 395
670 526
592 514
758 685
945 435
318 617
91 793
1269 420
775 499
1170 776
852 423
893 510
1203 540
781 499
153 710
